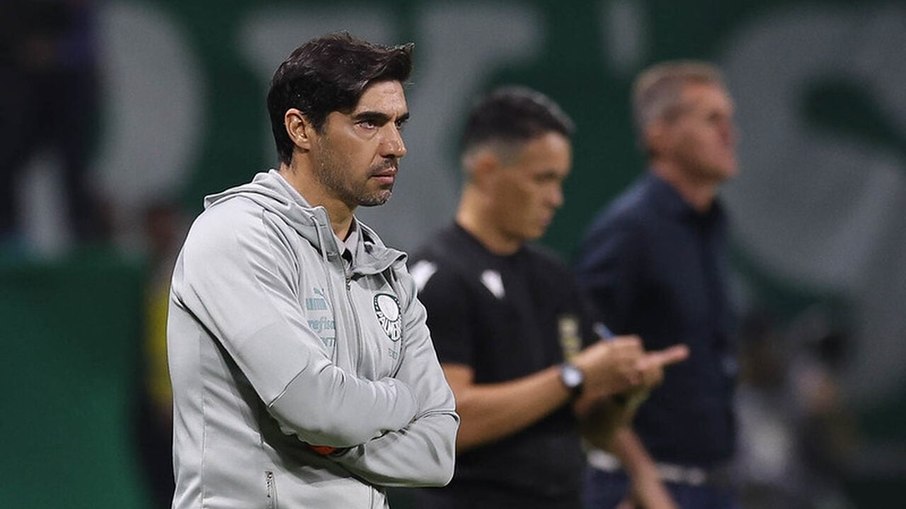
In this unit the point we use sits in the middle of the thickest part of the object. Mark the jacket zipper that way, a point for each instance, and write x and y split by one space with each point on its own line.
271 490
355 317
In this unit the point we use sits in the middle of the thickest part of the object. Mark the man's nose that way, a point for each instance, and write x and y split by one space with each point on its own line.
555 196
393 144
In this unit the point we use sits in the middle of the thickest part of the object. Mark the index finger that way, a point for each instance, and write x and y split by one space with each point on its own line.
665 357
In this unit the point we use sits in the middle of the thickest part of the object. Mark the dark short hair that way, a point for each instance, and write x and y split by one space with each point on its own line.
330 73
514 114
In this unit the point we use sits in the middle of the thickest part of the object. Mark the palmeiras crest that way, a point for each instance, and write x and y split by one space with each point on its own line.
387 309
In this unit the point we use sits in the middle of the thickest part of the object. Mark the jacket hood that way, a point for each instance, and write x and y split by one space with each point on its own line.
272 192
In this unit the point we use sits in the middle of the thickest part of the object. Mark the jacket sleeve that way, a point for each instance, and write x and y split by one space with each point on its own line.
238 276
423 453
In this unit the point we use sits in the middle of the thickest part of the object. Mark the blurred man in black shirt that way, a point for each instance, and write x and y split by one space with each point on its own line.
508 323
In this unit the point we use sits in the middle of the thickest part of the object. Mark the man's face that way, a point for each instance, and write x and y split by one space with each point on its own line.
528 187
701 139
357 154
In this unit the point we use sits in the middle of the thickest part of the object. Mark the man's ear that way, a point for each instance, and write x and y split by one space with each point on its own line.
298 128
655 136
483 163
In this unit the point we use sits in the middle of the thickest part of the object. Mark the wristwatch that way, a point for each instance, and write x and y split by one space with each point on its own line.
572 377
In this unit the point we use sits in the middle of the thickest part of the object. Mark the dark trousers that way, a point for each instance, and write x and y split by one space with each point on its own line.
488 496
54 110
604 490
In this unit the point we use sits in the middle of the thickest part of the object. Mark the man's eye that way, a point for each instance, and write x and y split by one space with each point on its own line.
546 178
400 125
368 124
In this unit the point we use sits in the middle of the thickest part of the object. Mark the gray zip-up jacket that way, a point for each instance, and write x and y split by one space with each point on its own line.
276 342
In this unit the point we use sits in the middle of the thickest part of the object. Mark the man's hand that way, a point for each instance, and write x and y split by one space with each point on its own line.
651 365
610 366
651 370
620 367
602 413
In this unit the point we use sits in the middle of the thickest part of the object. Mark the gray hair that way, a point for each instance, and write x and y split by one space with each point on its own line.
657 91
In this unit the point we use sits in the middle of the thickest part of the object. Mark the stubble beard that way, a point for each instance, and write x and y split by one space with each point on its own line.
331 172
379 197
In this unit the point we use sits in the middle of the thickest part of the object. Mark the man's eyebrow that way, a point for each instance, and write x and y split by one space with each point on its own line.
371 115
378 117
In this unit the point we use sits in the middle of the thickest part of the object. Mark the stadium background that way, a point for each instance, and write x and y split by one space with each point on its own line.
818 224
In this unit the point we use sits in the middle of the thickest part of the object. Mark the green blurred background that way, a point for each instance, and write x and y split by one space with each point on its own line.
818 224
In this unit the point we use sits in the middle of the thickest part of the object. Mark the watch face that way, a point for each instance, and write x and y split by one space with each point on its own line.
571 375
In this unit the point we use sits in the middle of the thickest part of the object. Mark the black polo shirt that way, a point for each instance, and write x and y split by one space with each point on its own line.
655 267
507 317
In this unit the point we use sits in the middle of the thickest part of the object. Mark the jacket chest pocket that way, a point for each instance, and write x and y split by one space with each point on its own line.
380 320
